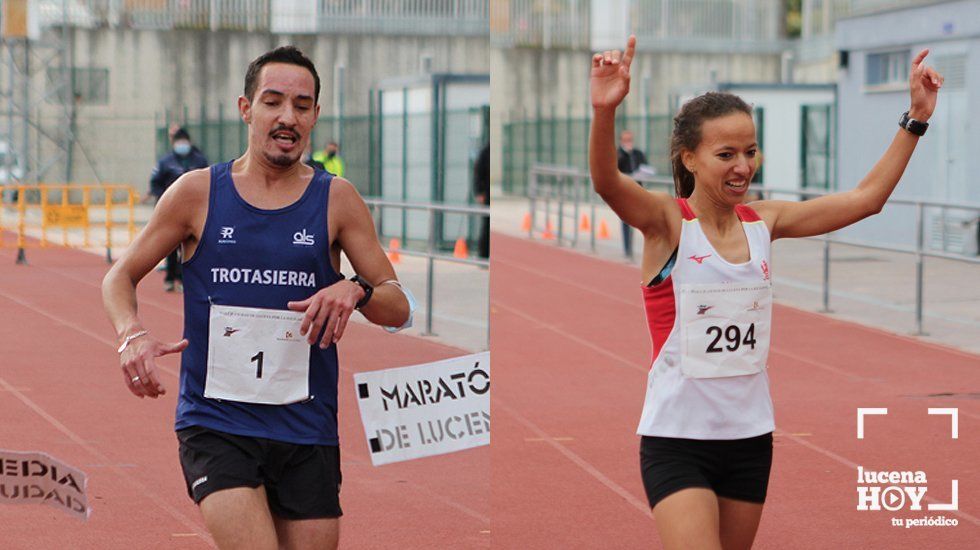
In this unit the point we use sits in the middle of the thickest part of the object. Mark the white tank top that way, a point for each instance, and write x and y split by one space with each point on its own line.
709 323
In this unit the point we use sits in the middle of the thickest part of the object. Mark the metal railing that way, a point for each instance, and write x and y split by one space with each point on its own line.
547 23
553 189
431 252
707 25
662 25
407 17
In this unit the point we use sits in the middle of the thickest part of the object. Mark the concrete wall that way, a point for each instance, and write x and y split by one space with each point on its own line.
525 79
150 71
945 159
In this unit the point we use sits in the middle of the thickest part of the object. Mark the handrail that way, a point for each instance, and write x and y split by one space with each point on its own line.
431 254
570 187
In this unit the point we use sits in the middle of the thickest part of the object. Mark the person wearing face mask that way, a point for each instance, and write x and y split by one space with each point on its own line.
331 159
183 158
629 161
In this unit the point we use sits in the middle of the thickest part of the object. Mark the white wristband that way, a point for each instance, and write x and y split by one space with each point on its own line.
130 338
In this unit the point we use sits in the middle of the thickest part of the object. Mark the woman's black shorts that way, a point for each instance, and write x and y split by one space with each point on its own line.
736 469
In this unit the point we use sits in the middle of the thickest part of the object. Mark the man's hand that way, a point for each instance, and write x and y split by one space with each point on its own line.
610 78
138 363
924 84
331 307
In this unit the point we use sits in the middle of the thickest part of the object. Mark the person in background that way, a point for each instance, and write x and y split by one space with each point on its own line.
481 194
309 160
331 159
629 161
183 158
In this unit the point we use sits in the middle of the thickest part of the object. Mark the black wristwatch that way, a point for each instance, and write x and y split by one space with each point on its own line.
913 126
368 290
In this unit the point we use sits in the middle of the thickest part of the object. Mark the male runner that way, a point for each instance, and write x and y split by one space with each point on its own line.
261 235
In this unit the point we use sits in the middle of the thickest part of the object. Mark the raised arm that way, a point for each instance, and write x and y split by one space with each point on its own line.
610 82
832 212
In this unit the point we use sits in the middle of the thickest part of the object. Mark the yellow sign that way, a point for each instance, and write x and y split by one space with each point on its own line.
66 215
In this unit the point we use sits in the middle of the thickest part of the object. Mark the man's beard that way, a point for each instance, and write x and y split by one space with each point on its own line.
282 161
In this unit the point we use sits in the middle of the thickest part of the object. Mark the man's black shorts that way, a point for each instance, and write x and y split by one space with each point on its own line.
737 469
301 481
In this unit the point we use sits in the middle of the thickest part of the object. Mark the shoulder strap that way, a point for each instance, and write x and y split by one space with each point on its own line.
686 209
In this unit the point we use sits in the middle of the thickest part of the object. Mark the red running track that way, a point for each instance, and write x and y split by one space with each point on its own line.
61 392
571 354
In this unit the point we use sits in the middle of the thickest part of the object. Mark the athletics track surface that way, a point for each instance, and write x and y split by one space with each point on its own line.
571 354
61 393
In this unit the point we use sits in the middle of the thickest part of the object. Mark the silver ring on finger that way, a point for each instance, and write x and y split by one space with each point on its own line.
136 379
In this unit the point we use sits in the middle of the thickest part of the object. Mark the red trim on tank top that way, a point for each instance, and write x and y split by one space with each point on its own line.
658 302
686 209
746 213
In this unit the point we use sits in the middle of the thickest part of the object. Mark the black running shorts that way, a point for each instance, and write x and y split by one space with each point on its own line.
301 481
737 469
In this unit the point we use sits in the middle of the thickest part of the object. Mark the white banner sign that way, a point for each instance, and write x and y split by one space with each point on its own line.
426 410
37 478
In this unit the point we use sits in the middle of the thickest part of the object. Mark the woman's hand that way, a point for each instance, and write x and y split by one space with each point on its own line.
610 78
924 84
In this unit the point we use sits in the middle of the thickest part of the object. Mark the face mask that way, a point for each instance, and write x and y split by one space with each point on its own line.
331 154
182 148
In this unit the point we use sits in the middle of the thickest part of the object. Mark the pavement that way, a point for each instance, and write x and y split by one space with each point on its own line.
870 287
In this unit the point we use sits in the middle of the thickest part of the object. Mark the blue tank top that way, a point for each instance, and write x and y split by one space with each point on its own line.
258 258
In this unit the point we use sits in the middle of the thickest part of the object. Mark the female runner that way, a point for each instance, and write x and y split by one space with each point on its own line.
707 421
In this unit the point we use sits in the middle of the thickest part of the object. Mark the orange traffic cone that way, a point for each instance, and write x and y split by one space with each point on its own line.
585 225
460 250
526 224
393 254
603 230
549 232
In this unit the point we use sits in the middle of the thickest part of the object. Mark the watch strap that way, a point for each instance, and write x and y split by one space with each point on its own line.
913 126
368 290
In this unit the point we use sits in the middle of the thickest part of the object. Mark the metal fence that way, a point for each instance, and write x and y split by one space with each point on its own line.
562 139
564 193
544 23
402 17
432 251
728 26
662 25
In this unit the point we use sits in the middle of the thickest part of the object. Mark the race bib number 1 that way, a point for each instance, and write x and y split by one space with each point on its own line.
257 356
725 329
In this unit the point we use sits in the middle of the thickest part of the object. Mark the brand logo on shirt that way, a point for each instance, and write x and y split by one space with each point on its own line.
300 237
704 309
765 271
231 330
755 307
227 235
199 481
699 259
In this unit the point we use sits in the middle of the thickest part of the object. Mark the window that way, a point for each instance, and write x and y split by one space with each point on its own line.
886 68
